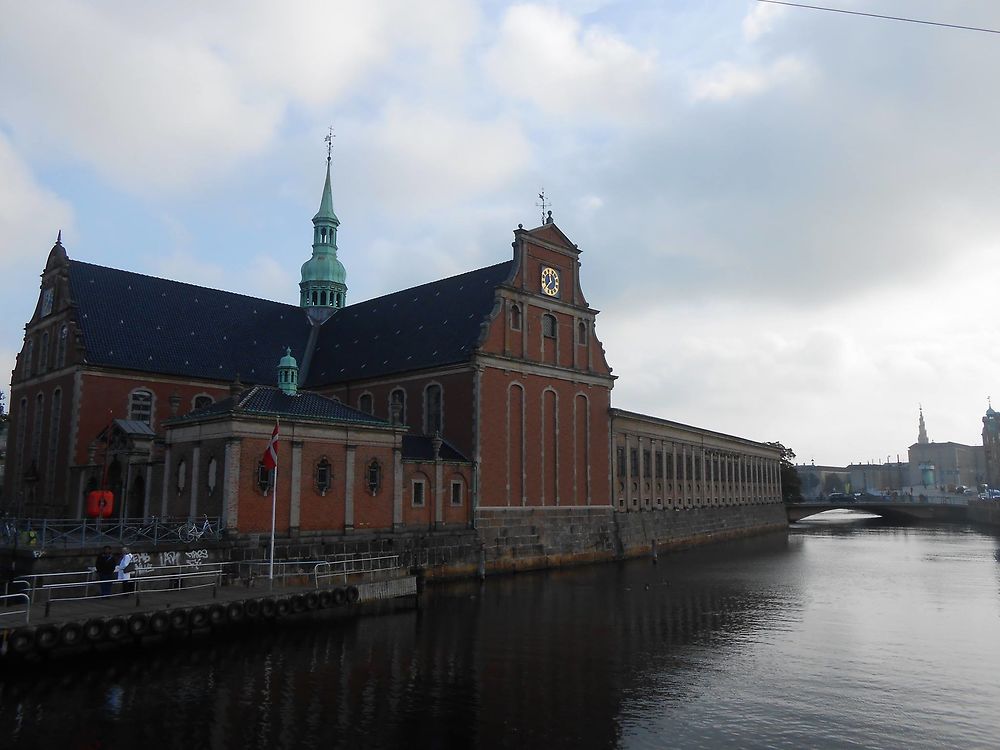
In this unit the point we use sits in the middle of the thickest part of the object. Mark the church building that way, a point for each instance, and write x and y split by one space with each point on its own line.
428 408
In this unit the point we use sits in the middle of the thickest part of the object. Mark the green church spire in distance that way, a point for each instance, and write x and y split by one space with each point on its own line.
323 289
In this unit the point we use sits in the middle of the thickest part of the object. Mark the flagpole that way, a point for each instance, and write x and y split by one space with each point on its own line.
274 503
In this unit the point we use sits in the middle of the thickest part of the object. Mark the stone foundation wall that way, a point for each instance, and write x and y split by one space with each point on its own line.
986 512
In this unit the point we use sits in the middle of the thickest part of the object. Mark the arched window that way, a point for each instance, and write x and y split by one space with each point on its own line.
457 491
55 416
397 406
61 347
36 435
581 332
549 326
418 492
43 354
433 422
324 475
201 401
366 404
373 476
140 406
29 355
263 477
515 318
181 475
212 475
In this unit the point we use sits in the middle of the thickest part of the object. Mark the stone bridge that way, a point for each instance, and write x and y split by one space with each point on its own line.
894 510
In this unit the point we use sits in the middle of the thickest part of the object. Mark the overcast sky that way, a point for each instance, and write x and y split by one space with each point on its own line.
789 219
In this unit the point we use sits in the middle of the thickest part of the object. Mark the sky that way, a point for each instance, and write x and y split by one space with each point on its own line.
788 218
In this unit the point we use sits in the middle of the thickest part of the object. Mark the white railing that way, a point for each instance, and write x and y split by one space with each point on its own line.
5 599
140 585
353 565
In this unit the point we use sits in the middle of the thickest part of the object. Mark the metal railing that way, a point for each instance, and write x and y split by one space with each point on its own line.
44 533
165 583
5 599
353 565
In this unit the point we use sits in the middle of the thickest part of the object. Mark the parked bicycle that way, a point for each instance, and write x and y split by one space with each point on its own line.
193 531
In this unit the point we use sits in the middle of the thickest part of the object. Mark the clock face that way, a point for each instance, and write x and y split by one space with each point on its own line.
550 281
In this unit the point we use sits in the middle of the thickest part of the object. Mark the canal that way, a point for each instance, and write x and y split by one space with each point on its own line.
836 635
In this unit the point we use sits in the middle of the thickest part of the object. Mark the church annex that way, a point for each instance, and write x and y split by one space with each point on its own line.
458 404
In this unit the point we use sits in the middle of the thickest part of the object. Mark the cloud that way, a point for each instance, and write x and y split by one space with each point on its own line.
760 20
566 69
729 80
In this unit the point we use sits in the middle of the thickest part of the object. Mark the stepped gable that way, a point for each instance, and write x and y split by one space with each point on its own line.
268 401
144 323
427 326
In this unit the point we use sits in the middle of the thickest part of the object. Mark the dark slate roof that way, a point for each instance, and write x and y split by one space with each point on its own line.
144 323
272 402
421 448
426 326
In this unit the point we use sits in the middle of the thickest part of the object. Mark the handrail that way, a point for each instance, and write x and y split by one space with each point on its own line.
42 533
179 578
27 606
393 562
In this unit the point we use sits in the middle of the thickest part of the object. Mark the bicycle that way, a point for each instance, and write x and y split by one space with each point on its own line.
193 532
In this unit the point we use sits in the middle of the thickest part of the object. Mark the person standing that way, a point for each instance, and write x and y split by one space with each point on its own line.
124 569
105 566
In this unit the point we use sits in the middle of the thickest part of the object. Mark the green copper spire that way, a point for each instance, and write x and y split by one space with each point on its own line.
288 374
323 289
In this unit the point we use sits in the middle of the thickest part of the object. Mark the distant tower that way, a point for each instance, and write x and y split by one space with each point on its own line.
288 374
922 433
991 446
323 289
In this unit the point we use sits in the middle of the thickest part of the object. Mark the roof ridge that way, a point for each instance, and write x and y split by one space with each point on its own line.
429 283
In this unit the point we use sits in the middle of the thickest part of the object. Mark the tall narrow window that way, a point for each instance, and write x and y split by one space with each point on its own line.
181 476
515 318
549 326
140 406
61 347
43 354
29 355
621 462
581 332
323 476
36 436
55 416
212 475
634 456
419 491
647 460
659 464
457 491
373 476
397 406
263 477
366 404
432 410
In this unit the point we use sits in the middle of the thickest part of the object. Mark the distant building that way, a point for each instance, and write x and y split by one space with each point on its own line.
945 465
991 447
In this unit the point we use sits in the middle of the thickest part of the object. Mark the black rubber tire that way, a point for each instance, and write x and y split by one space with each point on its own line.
312 600
339 597
235 612
46 637
268 608
138 624
251 608
116 628
94 630
159 622
179 619
21 640
353 595
198 617
71 634
282 607
325 599
298 603
217 615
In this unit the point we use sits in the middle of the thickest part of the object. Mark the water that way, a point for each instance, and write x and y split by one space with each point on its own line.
834 636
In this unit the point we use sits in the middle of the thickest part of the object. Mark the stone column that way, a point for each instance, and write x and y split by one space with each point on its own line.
397 487
349 488
166 483
195 458
231 484
295 505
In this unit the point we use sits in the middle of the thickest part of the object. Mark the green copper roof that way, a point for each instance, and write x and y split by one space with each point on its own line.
326 202
324 267
288 360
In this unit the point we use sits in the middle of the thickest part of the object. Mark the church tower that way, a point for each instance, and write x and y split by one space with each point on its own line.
991 446
323 289
922 429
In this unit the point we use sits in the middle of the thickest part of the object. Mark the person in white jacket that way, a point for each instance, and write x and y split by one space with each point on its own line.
123 571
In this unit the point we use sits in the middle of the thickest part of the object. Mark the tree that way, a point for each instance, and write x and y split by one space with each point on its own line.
3 411
791 483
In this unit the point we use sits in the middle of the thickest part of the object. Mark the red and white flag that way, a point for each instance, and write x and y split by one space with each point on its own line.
271 452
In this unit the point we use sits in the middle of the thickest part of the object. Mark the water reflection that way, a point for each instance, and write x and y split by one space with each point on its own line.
750 644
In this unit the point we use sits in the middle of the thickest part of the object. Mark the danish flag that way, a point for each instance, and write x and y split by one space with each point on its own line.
271 452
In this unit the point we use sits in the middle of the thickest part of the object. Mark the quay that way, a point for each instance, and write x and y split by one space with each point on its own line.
59 613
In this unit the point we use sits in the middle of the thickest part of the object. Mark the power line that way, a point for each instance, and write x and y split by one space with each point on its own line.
877 15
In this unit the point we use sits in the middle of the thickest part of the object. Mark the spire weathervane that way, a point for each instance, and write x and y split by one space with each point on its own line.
329 143
543 204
